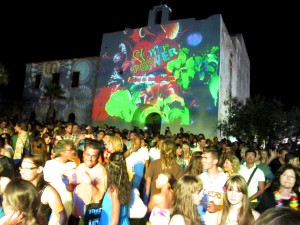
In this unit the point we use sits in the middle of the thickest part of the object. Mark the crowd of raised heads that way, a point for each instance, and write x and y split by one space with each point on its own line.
181 178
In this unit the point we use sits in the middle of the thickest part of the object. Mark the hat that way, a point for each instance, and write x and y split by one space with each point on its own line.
244 149
88 128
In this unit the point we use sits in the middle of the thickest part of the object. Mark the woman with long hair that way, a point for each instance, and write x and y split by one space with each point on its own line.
32 170
186 199
117 197
166 163
236 208
20 203
195 166
39 147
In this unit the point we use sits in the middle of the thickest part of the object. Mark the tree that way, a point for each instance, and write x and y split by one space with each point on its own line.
53 92
258 119
3 75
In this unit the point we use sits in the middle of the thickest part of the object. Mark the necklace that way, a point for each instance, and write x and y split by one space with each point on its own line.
293 200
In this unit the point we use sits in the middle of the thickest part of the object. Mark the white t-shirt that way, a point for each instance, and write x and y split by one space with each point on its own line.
257 177
154 153
55 173
213 188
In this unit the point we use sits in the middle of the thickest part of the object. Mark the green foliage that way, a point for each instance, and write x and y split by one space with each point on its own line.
259 119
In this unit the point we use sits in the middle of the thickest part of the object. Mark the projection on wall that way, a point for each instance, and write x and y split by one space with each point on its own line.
170 69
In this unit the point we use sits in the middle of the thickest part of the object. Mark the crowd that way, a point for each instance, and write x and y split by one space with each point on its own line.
53 173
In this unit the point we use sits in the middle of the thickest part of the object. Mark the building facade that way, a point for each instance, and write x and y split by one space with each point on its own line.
170 73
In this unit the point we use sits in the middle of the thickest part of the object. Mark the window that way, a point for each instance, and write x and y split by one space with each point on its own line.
75 79
37 81
55 78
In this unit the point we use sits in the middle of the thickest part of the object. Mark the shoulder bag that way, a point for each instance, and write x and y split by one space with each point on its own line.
93 213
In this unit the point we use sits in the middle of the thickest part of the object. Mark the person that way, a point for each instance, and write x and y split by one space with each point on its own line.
5 145
195 165
236 208
186 199
256 186
231 164
179 156
292 158
89 183
161 203
118 194
213 182
166 163
6 174
39 147
278 216
51 208
265 168
20 203
58 170
22 142
284 190
154 152
278 161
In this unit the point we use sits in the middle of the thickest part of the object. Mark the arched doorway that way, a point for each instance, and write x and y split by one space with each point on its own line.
32 116
71 118
153 123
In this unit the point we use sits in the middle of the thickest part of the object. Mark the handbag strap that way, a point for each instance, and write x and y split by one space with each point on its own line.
248 182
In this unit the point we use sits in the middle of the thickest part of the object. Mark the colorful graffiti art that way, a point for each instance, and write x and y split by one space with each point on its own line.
173 69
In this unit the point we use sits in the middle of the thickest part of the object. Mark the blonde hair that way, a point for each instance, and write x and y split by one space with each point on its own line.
183 200
117 143
235 162
167 154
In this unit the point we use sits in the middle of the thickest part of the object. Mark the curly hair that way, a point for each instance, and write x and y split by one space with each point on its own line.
167 154
245 215
235 162
183 200
118 176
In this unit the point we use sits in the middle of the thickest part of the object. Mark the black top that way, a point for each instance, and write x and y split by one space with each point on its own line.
268 201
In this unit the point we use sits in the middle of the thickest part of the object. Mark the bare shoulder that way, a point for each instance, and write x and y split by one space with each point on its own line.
255 214
177 219
49 191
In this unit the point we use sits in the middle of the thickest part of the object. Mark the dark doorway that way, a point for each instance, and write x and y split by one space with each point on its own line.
71 118
153 123
32 116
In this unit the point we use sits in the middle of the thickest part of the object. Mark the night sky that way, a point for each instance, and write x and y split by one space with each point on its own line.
54 31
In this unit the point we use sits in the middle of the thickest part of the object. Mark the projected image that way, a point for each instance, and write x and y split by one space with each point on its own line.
170 69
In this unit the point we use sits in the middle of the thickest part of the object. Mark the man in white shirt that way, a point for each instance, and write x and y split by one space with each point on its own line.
213 182
90 183
256 187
